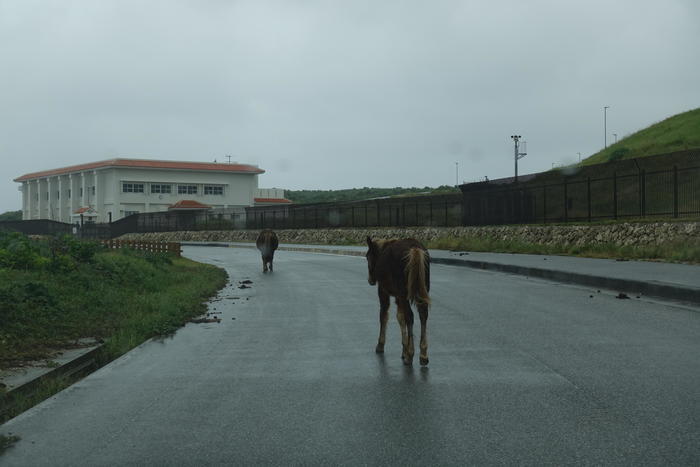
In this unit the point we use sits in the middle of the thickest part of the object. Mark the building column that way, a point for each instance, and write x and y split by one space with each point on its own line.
85 198
61 198
74 193
100 214
40 200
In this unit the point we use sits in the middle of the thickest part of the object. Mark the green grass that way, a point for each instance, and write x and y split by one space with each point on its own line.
54 292
685 252
678 133
121 297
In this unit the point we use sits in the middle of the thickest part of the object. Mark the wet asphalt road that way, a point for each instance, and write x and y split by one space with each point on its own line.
522 371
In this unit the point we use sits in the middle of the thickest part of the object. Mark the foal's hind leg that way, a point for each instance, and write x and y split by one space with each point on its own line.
384 302
423 312
405 317
264 265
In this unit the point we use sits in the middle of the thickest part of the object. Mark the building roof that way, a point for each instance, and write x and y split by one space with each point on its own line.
272 200
86 210
146 164
188 204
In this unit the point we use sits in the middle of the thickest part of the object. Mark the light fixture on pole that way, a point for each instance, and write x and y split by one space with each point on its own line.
517 153
605 125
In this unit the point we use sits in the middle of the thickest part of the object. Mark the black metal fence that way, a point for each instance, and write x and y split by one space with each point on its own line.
37 227
670 193
442 210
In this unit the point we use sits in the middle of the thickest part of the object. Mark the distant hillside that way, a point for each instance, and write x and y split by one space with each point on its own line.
11 216
357 194
677 133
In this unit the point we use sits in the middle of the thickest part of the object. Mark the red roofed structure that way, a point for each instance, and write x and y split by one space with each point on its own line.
188 205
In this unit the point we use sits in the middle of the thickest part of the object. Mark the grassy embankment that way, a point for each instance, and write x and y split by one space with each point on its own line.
677 133
672 251
54 292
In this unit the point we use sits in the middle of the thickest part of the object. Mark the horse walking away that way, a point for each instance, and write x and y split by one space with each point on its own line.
401 268
267 243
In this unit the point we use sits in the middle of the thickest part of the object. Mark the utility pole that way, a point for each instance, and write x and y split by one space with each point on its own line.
229 158
615 135
456 173
579 157
517 153
605 125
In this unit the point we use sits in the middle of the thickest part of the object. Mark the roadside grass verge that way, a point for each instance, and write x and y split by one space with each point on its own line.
121 297
55 292
686 252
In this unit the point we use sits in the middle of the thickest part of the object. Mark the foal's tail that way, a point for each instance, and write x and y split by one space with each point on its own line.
417 276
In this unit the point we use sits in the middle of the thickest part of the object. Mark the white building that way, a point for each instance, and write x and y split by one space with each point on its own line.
112 189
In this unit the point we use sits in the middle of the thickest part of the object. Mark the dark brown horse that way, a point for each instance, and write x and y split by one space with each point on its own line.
267 243
401 268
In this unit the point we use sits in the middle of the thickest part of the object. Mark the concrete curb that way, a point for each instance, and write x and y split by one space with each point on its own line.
87 361
633 287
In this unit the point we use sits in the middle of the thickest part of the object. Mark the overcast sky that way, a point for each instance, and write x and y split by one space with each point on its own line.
337 94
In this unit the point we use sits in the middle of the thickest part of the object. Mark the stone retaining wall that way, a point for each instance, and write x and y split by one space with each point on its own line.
617 234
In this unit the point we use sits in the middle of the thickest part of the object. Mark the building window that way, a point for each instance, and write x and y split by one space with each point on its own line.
187 189
131 188
58 195
93 189
160 188
129 213
68 193
47 195
213 190
81 192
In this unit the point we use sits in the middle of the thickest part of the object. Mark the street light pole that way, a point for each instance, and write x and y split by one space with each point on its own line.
605 125
456 173
517 154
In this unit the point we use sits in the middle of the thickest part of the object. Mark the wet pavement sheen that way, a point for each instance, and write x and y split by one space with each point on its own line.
521 371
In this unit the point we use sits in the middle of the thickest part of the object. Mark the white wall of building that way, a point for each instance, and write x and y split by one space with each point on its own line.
58 197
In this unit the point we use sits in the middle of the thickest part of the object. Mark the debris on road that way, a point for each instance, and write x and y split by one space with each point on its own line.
622 295
205 320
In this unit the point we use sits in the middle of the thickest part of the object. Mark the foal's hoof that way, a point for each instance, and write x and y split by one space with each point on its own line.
379 348
423 361
407 361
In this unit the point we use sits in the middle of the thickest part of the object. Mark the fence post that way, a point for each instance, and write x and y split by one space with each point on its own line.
675 191
544 204
588 183
431 212
643 187
615 194
566 202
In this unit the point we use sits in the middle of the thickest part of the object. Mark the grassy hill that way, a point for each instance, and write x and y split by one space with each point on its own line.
678 133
